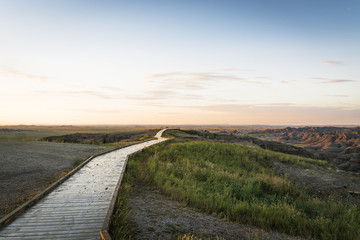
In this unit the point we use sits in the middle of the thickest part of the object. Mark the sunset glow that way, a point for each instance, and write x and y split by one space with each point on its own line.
180 62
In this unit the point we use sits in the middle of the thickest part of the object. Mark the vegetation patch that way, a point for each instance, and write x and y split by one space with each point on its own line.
120 227
35 133
119 138
238 183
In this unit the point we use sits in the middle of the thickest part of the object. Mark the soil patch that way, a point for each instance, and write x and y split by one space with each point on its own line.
155 216
324 183
27 167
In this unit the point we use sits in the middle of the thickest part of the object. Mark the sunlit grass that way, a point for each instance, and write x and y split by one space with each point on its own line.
238 183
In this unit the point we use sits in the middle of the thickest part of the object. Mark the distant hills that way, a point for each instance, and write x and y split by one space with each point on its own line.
10 130
340 145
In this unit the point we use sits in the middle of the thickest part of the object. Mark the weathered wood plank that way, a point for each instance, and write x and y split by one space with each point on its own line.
77 208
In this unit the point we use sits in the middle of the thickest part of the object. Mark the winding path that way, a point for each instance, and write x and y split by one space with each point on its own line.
76 209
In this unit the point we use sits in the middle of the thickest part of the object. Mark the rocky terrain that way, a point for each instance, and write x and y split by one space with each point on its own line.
339 145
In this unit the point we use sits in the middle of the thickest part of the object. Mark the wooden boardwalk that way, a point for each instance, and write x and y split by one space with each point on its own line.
76 209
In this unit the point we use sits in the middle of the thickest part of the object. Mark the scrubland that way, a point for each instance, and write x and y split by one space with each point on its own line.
29 163
28 166
237 183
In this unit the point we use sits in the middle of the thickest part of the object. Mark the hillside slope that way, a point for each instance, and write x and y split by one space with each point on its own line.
340 145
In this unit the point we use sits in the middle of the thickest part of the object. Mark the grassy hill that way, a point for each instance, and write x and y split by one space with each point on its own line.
238 183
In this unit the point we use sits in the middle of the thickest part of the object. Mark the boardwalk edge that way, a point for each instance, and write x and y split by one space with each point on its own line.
19 210
104 232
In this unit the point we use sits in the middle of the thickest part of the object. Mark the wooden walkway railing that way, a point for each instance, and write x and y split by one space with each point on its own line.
81 206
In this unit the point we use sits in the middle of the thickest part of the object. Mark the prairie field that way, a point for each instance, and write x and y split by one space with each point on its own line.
240 184
34 132
27 167
30 162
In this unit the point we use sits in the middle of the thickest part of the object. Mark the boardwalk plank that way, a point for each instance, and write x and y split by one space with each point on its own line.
76 209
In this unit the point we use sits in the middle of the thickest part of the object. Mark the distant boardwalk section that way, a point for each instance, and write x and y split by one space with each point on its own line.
77 208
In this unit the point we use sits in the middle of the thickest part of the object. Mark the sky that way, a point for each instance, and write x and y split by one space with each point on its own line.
242 62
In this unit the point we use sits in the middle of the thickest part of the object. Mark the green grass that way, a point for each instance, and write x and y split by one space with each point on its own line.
119 226
238 183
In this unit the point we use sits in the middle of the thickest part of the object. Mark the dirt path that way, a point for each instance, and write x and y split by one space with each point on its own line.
155 216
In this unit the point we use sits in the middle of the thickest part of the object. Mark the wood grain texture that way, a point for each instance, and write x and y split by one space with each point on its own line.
77 208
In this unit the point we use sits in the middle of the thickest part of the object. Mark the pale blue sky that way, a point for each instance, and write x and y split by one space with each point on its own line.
172 62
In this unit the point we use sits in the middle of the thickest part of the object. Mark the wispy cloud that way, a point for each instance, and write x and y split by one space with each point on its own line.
229 69
327 80
160 94
320 78
205 76
16 73
187 86
79 93
163 97
195 80
152 95
115 89
341 81
88 93
175 80
165 75
88 110
283 113
243 107
334 63
336 95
